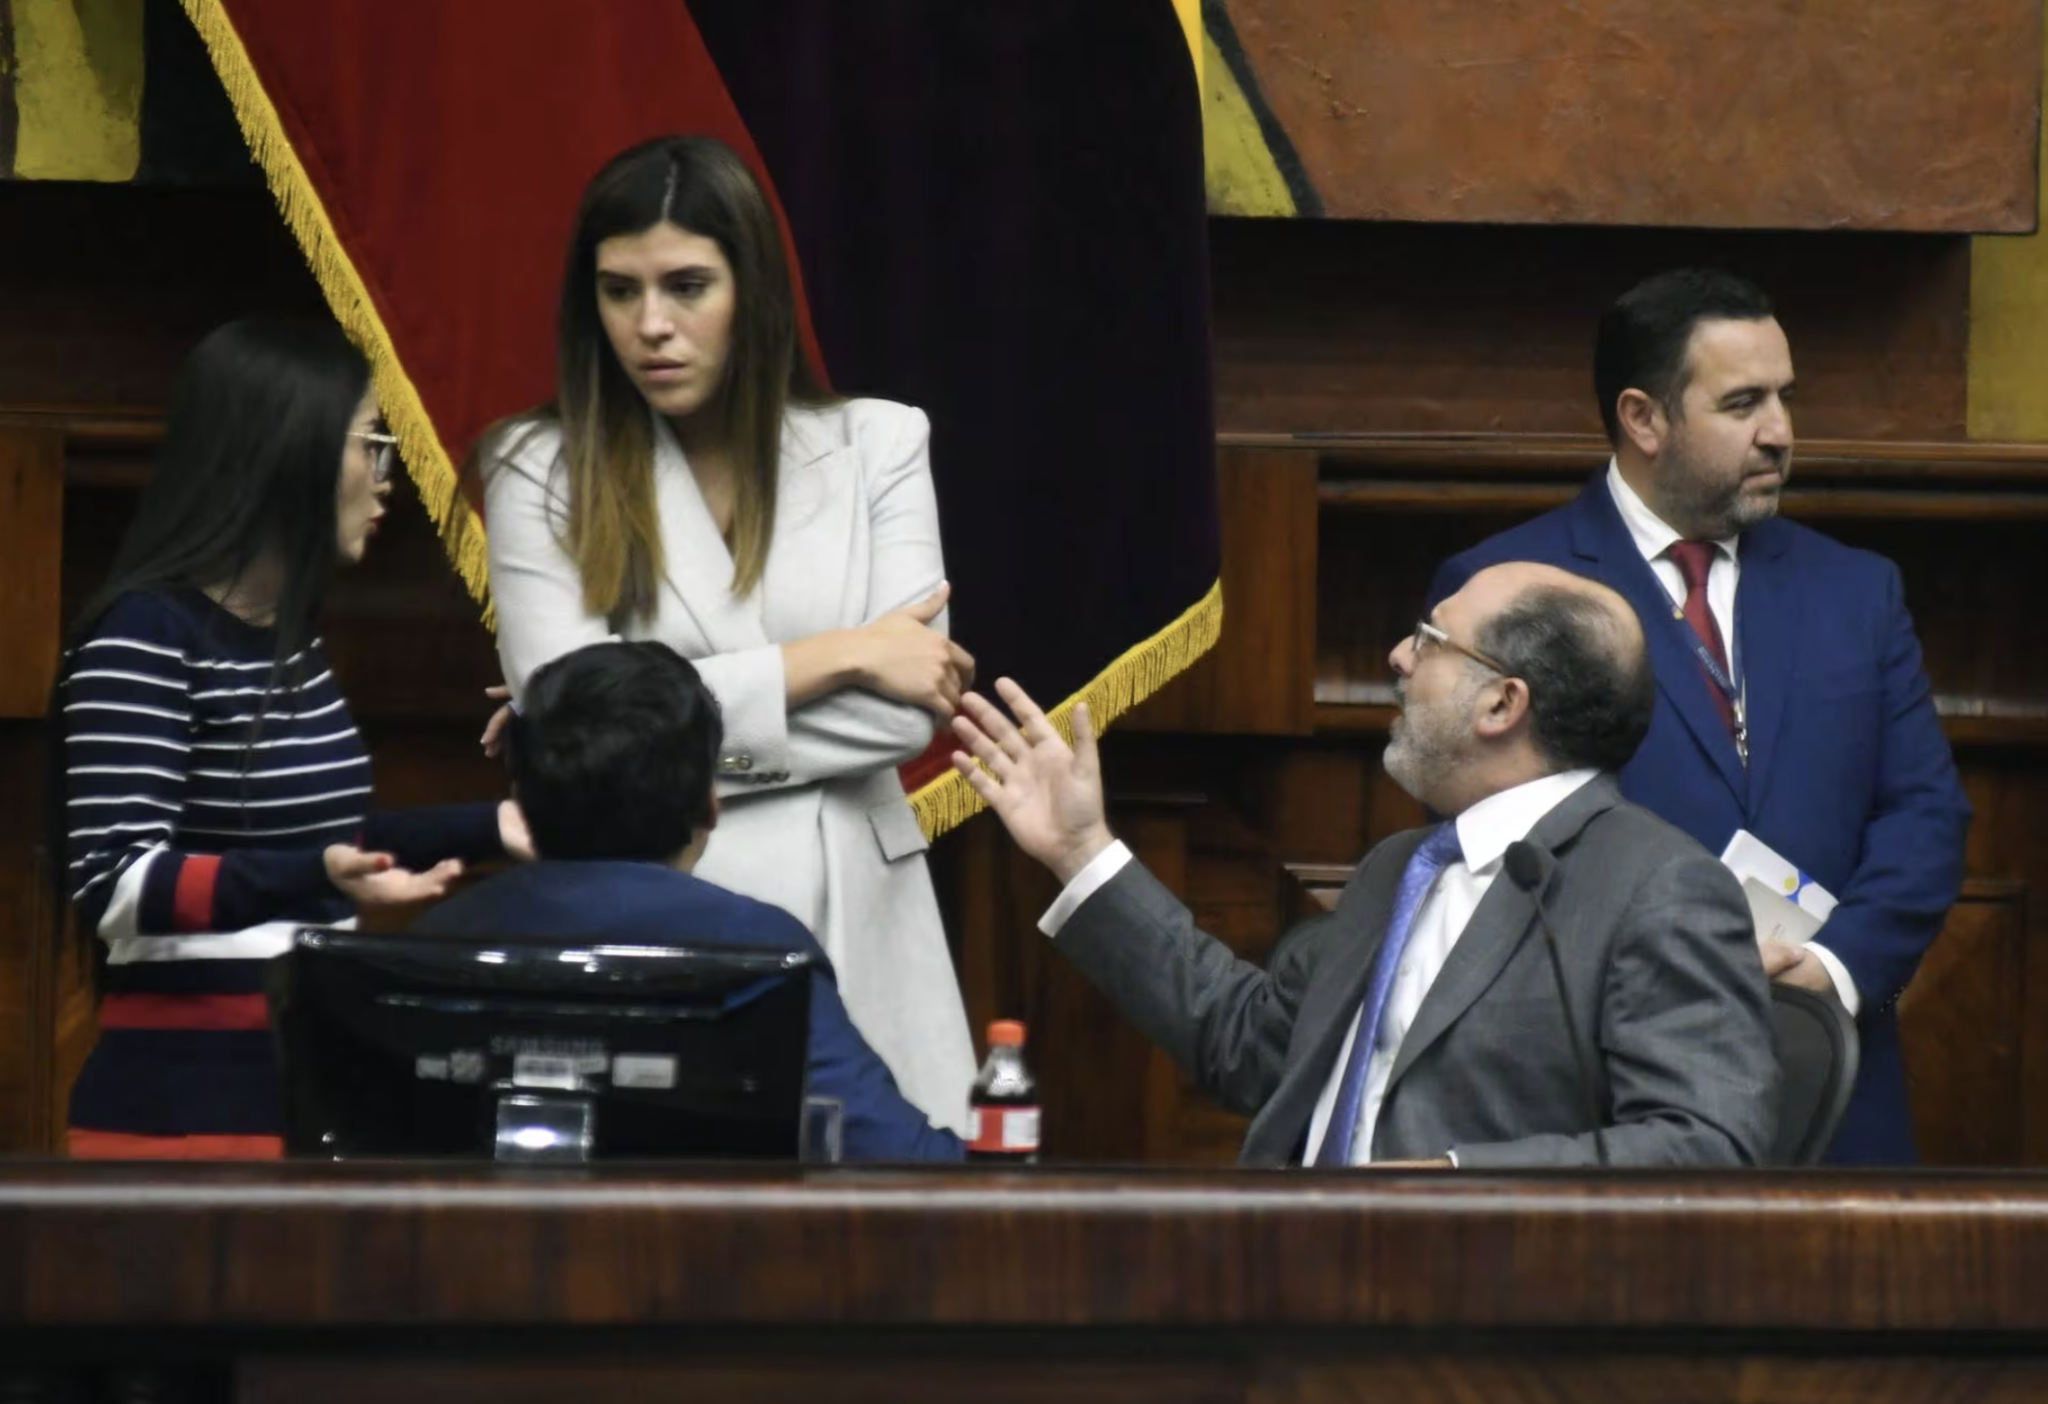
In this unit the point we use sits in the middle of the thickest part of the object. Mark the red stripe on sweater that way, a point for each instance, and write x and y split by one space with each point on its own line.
184 1011
192 903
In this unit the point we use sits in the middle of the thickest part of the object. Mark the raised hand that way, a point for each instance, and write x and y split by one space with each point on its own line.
1048 795
376 880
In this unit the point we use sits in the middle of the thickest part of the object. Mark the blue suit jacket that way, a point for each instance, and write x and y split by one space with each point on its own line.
652 904
1849 774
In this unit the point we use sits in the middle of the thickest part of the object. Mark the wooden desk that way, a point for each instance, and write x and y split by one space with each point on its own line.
392 1283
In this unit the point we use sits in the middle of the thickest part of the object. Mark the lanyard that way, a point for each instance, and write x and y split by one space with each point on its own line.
1728 686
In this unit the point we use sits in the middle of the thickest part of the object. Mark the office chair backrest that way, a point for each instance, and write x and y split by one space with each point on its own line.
1817 1055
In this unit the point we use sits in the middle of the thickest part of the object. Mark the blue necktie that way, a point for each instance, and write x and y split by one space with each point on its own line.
1436 852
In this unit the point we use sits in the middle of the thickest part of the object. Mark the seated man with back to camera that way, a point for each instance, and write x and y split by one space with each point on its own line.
1420 1021
613 761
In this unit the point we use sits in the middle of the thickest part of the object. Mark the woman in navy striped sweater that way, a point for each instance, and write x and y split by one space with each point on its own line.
214 792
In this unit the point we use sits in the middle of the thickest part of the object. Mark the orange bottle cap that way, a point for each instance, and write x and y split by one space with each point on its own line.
1009 1031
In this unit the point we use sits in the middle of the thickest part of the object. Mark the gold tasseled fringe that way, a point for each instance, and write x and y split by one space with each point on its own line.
1140 672
433 474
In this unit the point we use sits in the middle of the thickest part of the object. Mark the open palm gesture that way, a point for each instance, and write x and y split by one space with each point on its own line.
376 880
1048 794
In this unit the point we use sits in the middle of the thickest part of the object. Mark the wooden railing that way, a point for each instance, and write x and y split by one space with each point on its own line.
404 1282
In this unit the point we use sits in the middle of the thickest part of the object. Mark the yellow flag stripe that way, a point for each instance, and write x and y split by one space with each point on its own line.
1239 168
1190 12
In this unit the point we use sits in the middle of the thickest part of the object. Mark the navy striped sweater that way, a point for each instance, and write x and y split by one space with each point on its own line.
200 800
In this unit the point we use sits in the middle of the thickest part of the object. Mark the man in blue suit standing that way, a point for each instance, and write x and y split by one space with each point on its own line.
1791 700
613 761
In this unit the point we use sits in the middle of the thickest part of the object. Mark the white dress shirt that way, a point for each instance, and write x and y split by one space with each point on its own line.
1653 538
1484 833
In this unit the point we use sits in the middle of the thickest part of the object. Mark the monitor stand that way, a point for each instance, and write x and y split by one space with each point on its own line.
545 1128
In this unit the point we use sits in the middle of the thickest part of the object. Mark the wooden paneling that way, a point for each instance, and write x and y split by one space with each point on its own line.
73 1021
1719 1377
1253 680
1962 1023
24 934
425 1248
1338 326
17 1040
310 1283
108 287
31 517
934 1371
2008 841
1376 568
1190 1372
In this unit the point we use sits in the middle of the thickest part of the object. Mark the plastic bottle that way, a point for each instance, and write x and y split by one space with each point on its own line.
1002 1120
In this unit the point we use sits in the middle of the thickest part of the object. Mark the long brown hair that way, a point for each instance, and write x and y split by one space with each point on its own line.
614 527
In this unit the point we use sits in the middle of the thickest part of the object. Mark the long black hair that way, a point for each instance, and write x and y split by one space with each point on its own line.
248 472
246 480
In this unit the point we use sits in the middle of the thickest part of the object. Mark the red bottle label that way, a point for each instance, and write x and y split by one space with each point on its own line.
1006 1130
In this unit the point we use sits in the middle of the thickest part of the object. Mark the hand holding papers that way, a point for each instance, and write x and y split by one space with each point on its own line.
1784 902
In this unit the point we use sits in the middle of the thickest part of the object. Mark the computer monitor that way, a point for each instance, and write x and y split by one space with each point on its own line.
538 1050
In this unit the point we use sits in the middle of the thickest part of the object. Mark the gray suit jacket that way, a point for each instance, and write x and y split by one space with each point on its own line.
1659 955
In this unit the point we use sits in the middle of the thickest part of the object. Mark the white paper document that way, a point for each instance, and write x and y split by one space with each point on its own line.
1786 904
1777 919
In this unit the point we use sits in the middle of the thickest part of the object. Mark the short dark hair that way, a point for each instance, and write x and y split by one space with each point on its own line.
1591 690
614 751
1643 336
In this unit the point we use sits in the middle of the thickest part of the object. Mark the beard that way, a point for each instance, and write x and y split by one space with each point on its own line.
1703 504
1428 741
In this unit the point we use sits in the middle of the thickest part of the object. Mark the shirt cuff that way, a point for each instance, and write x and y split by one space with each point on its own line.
1101 868
1845 988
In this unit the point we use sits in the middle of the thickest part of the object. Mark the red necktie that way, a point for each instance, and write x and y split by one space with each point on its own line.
1694 559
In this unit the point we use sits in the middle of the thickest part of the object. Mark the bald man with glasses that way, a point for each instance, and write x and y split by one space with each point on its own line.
1420 1022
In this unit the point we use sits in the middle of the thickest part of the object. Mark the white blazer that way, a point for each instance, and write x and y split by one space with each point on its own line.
812 816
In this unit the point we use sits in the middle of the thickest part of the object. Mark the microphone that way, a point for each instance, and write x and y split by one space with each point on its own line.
1529 868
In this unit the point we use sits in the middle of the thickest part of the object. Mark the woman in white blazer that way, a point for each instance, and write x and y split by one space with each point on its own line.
691 483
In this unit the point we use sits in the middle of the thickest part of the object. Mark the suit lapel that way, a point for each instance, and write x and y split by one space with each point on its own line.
1768 620
813 582
1600 536
1498 926
696 561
